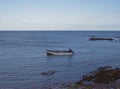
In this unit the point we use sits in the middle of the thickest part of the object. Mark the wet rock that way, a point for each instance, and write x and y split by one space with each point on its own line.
117 37
1 40
102 78
105 74
48 73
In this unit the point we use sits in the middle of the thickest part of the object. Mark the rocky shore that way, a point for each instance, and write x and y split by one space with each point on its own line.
102 78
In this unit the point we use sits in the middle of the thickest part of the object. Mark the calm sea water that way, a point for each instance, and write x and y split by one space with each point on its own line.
23 56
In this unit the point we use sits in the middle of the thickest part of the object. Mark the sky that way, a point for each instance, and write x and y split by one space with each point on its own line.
59 14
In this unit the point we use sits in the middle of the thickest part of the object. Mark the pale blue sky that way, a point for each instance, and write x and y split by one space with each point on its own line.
60 14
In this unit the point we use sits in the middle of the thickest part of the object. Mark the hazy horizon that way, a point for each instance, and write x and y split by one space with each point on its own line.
60 15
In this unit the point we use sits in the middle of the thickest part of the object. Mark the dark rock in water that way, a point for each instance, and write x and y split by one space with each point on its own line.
2 40
104 68
94 38
48 73
117 37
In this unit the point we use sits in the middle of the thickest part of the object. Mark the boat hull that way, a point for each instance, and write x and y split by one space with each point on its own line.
60 53
94 38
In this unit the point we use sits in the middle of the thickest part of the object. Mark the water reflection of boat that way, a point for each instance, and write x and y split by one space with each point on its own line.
60 52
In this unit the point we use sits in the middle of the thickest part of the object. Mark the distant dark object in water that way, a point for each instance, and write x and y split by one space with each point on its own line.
95 38
48 73
60 52
1 40
117 37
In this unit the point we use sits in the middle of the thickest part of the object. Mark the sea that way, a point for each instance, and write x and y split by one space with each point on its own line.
23 56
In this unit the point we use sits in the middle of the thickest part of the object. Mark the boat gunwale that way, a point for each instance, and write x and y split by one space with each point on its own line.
61 52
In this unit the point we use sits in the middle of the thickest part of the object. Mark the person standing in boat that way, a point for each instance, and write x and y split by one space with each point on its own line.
70 50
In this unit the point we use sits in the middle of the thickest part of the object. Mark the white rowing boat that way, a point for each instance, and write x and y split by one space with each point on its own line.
59 52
